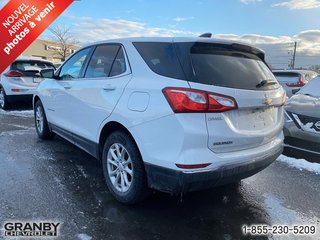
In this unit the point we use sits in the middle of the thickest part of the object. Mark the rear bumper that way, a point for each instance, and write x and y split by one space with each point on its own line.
173 181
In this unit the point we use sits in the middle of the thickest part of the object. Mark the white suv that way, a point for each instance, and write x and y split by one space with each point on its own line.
172 114
19 81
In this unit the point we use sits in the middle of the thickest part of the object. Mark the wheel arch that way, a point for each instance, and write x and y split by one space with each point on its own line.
109 128
35 99
1 86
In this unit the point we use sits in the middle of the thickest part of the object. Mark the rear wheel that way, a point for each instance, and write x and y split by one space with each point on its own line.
41 123
3 99
123 168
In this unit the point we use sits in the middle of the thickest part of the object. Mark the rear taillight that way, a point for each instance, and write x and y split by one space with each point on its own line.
300 83
284 99
185 100
14 73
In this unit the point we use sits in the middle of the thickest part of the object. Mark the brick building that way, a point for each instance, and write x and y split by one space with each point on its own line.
47 50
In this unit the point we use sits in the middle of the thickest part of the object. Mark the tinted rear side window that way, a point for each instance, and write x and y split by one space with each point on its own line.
220 65
161 58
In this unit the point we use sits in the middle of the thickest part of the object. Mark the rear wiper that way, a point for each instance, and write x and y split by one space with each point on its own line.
266 82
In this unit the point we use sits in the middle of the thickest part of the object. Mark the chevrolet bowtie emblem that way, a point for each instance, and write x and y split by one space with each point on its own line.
267 101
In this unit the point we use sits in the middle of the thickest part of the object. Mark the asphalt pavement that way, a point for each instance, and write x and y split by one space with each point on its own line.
54 180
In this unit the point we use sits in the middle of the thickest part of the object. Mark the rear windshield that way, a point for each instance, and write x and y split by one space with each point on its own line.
30 68
223 66
208 63
286 76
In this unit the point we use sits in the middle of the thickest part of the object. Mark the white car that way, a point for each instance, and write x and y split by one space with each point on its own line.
171 114
293 80
20 80
302 125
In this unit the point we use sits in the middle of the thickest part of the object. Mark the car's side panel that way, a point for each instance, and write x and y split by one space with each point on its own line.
93 101
90 147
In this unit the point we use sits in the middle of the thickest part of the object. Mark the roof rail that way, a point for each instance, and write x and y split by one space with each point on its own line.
206 35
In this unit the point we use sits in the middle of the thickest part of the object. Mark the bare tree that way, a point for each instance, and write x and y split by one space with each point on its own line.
65 41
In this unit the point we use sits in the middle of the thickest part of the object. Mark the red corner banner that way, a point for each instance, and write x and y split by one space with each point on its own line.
22 21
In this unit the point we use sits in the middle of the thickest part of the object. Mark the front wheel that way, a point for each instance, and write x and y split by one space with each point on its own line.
3 99
41 123
123 168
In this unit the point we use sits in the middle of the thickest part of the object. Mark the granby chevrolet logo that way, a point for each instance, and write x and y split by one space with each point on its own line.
30 229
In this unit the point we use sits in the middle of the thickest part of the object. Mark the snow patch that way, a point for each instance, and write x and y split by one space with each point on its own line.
308 127
279 213
19 126
83 236
301 164
26 113
16 132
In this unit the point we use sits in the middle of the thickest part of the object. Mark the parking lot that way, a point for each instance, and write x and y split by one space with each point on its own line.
54 180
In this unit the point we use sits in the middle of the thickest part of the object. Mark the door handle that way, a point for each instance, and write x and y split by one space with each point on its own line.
66 85
109 87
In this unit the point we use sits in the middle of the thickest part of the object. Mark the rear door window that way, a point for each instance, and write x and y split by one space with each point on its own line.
119 65
107 61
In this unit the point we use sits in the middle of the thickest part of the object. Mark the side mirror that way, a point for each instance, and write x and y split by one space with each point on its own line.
47 73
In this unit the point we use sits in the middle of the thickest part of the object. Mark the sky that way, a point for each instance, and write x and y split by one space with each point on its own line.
273 25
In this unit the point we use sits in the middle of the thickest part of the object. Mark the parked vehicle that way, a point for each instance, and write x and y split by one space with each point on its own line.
293 80
172 114
302 127
19 81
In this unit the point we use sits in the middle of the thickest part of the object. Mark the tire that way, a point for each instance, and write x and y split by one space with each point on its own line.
125 177
41 123
3 99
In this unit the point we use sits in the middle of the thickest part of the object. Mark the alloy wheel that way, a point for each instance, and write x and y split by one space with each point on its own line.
39 119
119 166
2 100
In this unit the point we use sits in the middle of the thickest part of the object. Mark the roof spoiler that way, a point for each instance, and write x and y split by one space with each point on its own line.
206 35
256 51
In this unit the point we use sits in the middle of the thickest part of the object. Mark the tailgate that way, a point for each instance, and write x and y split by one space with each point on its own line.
258 119
237 77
